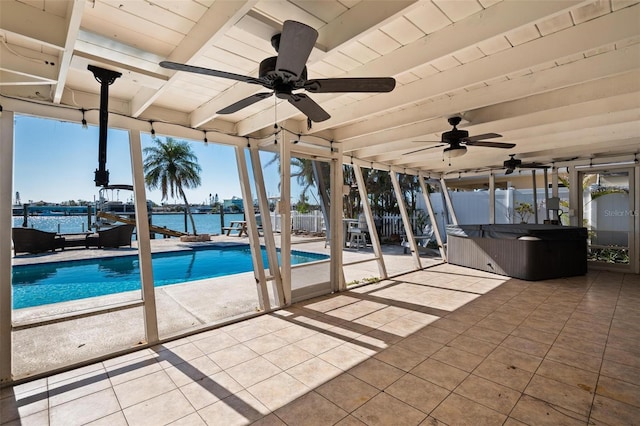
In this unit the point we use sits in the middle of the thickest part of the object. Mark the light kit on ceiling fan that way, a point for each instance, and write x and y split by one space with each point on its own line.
455 151
458 140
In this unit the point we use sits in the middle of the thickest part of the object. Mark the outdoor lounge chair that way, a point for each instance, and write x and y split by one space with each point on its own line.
29 240
113 237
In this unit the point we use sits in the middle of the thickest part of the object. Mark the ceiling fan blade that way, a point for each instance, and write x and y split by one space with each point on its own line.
424 149
483 136
250 100
533 166
343 85
215 73
307 106
296 42
486 144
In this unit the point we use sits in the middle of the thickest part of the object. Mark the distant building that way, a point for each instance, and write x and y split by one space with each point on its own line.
234 205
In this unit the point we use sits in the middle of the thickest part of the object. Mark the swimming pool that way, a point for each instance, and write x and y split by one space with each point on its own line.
45 283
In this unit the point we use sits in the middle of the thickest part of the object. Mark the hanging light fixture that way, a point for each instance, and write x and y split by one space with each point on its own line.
455 151
84 120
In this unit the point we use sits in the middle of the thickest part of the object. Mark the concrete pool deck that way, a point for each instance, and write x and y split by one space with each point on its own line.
181 307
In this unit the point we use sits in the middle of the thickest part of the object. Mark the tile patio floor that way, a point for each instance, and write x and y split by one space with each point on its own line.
446 345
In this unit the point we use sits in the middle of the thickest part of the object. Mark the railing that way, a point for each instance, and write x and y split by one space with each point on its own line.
387 225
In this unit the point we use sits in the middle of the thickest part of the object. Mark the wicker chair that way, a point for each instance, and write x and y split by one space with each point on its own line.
29 240
113 237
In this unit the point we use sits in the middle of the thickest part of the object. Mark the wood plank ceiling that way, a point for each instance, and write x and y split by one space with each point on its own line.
557 78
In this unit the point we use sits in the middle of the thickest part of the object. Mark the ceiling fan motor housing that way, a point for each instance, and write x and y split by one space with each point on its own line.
454 136
268 72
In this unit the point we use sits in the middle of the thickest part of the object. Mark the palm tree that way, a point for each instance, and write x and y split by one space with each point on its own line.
172 166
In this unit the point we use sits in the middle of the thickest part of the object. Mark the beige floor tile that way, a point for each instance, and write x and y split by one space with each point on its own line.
162 409
266 343
233 355
294 333
497 397
437 334
420 345
535 335
143 388
210 389
278 390
560 394
319 343
350 421
534 411
168 357
485 334
619 371
400 357
288 356
66 376
29 399
472 345
507 375
241 408
314 372
78 386
387 410
628 393
347 392
575 359
377 373
580 345
457 410
497 325
253 371
344 356
269 420
84 409
215 342
439 373
528 346
623 357
610 411
139 367
516 358
36 419
191 371
458 358
417 392
568 374
454 326
311 409
248 332
192 419
115 419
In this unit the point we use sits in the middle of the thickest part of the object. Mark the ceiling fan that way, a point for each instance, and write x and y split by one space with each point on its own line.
287 72
458 140
512 163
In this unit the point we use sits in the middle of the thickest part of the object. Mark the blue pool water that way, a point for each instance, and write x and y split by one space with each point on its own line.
41 284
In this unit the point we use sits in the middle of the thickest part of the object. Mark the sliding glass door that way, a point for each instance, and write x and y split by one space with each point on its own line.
608 214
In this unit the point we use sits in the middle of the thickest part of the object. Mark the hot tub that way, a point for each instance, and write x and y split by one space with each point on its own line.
525 251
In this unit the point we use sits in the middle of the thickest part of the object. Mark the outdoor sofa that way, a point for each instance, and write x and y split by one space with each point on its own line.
526 251
30 240
113 237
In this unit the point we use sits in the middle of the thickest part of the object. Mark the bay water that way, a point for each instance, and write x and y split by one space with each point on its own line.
205 223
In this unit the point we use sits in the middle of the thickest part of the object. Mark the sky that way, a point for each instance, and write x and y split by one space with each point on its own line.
55 161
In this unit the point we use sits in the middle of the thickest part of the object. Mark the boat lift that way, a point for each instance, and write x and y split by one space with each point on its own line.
132 221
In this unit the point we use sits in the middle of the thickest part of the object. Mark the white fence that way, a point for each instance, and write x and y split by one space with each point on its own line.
471 207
